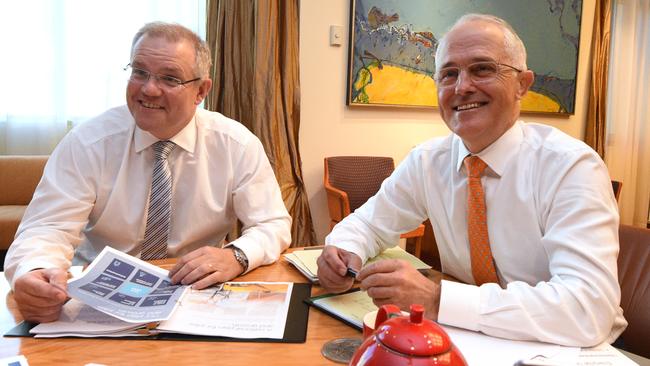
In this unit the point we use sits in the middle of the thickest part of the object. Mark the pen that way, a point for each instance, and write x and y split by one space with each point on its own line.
351 272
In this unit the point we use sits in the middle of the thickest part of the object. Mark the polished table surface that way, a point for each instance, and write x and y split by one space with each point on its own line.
77 351
80 351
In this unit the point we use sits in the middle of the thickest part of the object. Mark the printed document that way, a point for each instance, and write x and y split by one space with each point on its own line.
119 295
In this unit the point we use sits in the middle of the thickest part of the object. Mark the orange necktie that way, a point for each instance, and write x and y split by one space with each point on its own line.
483 268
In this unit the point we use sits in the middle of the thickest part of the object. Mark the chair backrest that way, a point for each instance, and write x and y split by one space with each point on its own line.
358 176
617 186
19 176
634 277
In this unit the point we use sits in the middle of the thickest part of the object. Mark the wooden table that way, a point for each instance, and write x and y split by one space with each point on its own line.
76 351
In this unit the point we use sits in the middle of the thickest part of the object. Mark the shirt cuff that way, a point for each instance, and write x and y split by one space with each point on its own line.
28 266
459 305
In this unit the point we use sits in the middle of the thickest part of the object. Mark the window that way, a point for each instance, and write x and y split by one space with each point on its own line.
63 60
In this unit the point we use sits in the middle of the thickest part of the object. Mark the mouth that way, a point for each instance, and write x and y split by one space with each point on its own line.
149 105
469 106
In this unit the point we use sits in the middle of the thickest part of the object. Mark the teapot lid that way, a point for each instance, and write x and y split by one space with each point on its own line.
414 335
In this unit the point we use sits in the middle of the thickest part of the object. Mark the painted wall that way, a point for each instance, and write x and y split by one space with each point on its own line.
329 128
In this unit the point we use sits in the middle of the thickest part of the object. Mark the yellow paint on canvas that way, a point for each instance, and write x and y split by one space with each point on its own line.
536 102
395 85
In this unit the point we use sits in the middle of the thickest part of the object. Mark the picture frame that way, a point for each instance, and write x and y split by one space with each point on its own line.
391 54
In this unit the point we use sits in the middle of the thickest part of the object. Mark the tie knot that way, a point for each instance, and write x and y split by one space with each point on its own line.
162 149
475 166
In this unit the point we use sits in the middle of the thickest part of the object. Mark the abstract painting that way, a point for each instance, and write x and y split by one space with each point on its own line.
393 43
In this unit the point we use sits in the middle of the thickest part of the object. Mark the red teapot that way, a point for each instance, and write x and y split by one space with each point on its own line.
406 340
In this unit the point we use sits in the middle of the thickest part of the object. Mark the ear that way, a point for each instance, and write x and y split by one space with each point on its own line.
526 79
203 90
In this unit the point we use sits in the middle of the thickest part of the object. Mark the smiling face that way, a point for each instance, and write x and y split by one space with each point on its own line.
161 112
479 113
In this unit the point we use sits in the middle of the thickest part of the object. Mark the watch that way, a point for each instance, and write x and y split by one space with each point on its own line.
241 258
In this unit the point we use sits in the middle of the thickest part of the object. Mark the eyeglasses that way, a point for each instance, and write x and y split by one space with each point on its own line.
141 76
479 72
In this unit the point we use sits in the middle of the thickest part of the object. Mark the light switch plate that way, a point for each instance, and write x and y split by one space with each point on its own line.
336 35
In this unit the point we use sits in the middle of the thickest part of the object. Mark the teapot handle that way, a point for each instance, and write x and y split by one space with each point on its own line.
386 312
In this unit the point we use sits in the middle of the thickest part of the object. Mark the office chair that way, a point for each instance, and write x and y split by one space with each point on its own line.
349 182
634 278
617 186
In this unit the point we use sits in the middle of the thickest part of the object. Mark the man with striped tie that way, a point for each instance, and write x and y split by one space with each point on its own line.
523 215
156 178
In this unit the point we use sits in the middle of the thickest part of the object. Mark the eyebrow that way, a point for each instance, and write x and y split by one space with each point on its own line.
474 60
166 70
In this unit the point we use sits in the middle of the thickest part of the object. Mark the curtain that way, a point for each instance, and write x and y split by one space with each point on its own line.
63 61
256 81
596 112
628 108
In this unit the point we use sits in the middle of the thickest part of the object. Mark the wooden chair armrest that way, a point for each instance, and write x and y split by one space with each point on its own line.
337 203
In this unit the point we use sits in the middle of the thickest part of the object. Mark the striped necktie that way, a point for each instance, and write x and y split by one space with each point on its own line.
483 267
156 234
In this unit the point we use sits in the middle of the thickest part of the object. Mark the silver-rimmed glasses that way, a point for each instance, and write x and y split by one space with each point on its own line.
478 72
167 82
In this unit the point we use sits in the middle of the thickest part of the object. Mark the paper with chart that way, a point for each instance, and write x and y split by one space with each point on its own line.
233 309
127 288
80 320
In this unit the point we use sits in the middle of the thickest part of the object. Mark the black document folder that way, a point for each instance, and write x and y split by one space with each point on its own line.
312 301
295 330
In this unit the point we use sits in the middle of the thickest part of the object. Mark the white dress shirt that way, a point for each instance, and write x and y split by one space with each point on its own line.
95 191
553 226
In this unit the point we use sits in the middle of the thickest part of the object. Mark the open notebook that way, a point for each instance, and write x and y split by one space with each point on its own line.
305 260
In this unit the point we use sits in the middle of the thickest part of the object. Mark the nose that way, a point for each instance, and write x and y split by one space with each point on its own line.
464 84
150 87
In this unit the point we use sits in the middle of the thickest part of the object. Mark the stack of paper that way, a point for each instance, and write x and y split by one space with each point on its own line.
119 295
305 260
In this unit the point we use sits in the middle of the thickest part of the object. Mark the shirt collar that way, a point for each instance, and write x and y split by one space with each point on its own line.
185 138
498 154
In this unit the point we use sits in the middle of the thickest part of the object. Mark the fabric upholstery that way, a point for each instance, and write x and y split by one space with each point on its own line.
19 176
359 176
634 277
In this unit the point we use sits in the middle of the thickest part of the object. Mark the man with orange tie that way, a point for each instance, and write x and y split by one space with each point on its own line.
523 214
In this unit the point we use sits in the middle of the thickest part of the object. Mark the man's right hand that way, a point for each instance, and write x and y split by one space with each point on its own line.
40 294
332 267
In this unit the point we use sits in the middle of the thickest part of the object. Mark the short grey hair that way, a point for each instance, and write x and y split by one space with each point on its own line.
175 33
513 46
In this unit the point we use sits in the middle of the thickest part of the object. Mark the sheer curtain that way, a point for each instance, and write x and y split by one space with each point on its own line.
628 110
62 62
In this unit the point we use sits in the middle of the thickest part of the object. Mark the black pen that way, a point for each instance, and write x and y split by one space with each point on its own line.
351 273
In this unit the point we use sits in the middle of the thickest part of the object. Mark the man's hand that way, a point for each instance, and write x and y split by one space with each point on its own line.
206 266
332 266
40 294
397 282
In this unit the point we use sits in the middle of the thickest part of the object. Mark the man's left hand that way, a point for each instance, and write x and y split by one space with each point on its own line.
397 282
206 266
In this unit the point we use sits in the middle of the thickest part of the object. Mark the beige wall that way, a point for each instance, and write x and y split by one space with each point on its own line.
329 127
